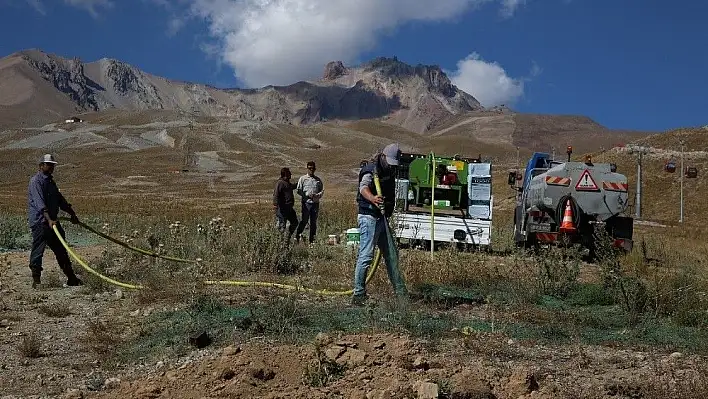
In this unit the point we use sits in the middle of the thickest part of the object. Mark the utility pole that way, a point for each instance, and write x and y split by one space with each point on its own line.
638 201
682 173
517 158
553 153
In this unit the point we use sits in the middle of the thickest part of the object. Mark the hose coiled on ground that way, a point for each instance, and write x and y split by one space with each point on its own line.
83 264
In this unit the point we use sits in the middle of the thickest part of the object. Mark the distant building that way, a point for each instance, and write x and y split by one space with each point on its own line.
73 119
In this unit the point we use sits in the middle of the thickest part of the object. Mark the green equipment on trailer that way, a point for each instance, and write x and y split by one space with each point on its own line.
443 199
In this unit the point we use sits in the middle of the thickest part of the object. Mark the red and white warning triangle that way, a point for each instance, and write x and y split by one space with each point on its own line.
586 182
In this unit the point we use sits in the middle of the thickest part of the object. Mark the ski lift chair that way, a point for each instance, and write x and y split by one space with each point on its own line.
670 166
691 172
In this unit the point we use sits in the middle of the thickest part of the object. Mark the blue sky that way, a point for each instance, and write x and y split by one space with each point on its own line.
628 64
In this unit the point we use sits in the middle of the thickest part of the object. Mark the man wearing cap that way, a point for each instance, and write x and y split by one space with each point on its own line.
374 210
44 203
310 189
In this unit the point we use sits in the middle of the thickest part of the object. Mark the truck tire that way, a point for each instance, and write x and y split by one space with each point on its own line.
519 239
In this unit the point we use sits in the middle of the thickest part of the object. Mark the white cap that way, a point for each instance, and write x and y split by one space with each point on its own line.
47 158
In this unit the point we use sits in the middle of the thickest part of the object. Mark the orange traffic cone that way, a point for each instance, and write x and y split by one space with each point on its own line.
567 223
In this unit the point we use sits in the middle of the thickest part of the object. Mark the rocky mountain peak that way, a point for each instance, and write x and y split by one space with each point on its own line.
333 70
414 97
433 75
122 76
66 75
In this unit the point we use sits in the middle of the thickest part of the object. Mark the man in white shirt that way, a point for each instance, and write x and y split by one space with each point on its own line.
310 188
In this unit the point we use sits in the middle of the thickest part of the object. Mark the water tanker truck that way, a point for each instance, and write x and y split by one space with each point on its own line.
565 202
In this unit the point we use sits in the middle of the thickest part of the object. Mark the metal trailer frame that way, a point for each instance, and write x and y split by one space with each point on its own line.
448 229
457 227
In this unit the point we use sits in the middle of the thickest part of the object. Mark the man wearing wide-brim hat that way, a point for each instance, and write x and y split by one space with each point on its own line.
43 204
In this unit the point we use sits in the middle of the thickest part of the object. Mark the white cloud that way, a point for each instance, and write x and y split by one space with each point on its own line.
510 6
38 6
535 69
177 19
283 41
90 5
488 82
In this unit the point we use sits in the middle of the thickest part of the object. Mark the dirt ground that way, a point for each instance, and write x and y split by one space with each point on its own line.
471 365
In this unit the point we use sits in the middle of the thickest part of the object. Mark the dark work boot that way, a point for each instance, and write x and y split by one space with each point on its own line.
36 280
359 300
72 280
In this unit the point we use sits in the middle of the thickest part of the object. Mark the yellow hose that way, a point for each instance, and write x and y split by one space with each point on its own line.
126 245
83 264
372 270
89 269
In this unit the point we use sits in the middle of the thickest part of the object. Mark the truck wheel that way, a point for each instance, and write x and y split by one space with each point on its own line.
519 240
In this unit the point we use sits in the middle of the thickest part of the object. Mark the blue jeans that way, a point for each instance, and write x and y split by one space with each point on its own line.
374 232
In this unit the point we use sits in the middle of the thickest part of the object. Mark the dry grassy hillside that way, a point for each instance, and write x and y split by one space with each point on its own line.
661 190
163 154
504 131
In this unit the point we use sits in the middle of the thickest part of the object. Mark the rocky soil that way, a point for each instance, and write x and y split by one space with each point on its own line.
368 365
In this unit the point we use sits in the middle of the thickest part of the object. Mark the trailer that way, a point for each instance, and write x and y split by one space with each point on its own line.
443 200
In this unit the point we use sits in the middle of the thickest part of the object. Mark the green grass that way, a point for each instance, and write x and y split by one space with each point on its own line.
287 318
14 232
589 314
654 297
296 319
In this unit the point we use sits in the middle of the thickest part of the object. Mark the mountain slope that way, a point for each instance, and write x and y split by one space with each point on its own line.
660 189
39 88
533 132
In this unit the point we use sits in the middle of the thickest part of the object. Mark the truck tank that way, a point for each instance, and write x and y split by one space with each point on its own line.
595 189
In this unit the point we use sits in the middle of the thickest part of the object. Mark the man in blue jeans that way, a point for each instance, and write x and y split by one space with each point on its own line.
373 227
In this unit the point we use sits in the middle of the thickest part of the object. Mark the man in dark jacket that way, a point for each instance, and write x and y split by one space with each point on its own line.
43 205
284 202
372 223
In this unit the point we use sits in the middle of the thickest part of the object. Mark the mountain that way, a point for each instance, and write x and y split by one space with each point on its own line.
37 88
